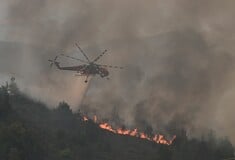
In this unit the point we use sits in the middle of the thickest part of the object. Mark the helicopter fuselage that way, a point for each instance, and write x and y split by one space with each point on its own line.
86 70
93 69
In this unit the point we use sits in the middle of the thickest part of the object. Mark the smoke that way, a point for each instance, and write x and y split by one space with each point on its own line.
178 58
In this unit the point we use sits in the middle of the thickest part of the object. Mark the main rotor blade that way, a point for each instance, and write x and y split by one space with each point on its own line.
108 66
74 58
55 58
97 58
82 52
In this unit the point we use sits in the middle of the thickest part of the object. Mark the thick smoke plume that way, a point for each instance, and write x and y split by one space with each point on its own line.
178 58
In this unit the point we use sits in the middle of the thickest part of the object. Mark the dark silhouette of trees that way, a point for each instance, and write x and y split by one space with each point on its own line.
13 88
5 107
31 131
63 107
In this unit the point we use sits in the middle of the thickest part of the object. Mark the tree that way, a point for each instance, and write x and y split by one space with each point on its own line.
14 154
224 149
13 88
64 108
66 154
4 101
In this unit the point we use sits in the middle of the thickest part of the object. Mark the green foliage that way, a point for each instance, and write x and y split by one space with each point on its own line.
66 154
14 154
4 101
13 88
31 131
64 108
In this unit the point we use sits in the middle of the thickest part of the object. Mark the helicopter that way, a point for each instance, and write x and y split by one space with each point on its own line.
88 68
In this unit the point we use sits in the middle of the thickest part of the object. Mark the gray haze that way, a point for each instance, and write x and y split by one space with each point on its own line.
178 55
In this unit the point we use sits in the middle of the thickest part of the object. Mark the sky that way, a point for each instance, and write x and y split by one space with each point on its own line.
178 57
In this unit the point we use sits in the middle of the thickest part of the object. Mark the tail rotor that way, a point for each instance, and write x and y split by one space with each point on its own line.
53 61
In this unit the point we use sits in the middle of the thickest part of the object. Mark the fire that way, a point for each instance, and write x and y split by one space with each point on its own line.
106 126
85 118
95 118
157 138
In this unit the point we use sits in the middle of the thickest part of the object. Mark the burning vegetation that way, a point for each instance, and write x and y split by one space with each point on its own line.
30 130
156 138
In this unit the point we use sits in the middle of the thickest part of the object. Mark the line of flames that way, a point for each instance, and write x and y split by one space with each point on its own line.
157 138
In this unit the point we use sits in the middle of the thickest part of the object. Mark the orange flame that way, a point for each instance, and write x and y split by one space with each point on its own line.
85 118
160 139
95 118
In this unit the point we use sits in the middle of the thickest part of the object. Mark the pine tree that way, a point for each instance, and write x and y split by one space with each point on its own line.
4 101
13 88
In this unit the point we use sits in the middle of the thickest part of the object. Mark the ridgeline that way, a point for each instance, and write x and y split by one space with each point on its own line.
31 131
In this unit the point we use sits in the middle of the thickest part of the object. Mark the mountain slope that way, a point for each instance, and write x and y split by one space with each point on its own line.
31 131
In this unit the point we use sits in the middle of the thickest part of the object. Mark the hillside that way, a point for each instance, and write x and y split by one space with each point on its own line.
31 131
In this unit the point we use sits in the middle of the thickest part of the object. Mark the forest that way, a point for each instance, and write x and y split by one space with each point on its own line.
29 130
